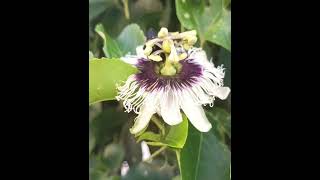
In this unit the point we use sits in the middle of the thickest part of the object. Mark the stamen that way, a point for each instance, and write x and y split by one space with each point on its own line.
147 50
163 32
156 58
166 46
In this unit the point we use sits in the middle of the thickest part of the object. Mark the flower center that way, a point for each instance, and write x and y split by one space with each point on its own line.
168 49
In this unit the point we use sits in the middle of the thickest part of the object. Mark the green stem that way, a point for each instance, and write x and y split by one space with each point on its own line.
178 158
126 9
156 153
158 123
181 28
202 41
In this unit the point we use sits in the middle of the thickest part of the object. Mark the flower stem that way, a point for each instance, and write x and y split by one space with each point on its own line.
126 9
157 122
202 41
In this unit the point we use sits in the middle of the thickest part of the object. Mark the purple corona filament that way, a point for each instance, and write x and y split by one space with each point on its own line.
149 79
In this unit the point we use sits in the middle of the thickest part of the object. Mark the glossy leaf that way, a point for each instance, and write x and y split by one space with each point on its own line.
212 22
204 157
104 74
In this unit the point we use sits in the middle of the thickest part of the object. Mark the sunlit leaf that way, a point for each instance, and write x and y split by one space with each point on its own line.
104 74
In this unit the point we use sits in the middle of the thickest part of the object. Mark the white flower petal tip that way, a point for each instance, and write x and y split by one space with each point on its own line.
139 51
172 120
143 119
133 60
145 151
206 128
222 92
140 124
196 116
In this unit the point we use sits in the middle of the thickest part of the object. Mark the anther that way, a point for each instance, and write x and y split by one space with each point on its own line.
163 32
156 58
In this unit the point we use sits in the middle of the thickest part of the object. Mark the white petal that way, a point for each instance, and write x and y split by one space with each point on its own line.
130 59
139 51
198 55
145 151
222 92
196 115
170 109
143 119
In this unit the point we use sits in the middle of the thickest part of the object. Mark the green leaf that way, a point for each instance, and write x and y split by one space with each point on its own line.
97 7
221 121
212 22
177 134
150 136
204 157
104 74
127 42
175 137
110 46
131 37
227 3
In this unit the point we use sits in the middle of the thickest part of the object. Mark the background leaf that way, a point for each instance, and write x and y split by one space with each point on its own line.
131 37
127 42
204 157
106 124
221 121
211 20
110 47
103 76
